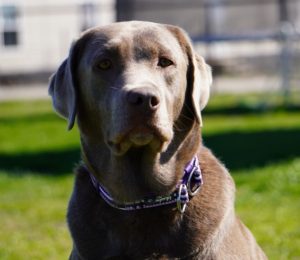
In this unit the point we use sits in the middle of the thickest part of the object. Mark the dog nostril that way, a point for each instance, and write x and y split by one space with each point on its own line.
154 102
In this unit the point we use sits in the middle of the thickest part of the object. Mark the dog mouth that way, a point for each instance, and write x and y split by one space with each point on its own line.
154 138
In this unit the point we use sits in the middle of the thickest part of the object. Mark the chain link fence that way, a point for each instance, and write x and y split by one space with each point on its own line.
252 45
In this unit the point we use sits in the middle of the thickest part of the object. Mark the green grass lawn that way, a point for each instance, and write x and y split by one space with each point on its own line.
261 148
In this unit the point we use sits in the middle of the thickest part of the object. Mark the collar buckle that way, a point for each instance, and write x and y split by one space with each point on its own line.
194 181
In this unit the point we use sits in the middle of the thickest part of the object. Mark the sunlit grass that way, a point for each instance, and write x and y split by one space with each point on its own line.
32 216
33 126
268 202
33 203
37 155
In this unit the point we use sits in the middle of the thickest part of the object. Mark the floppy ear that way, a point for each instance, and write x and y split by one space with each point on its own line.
199 76
202 80
62 89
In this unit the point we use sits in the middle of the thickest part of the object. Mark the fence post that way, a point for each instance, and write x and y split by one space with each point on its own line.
286 32
286 38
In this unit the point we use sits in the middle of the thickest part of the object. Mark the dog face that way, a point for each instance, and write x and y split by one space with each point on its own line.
132 78
129 84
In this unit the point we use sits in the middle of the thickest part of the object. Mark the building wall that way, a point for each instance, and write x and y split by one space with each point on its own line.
45 30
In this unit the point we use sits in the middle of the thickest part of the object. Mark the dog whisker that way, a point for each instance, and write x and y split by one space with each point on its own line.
187 117
114 88
178 128
189 109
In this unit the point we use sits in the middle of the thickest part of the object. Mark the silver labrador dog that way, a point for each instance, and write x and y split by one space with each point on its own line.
146 187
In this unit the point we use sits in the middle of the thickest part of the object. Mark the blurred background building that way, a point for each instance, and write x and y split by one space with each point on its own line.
255 39
35 35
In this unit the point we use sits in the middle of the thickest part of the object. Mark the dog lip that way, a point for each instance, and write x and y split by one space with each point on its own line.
155 137
120 148
141 139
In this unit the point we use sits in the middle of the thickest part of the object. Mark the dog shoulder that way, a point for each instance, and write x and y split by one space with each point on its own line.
213 169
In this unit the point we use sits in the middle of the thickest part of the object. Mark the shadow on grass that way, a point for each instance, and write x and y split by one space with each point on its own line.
44 162
38 118
246 109
241 150
238 150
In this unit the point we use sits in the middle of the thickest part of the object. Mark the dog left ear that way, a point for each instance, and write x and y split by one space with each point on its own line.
199 76
201 82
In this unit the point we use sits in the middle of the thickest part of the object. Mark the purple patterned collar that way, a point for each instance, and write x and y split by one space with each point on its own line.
188 186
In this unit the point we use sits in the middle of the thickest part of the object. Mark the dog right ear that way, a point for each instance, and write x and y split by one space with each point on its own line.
62 89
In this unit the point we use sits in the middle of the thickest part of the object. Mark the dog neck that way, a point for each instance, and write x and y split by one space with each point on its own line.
187 188
140 172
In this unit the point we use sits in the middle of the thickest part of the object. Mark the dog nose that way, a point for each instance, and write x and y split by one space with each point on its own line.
145 98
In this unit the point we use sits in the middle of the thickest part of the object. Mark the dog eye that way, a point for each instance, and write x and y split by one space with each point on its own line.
104 64
164 62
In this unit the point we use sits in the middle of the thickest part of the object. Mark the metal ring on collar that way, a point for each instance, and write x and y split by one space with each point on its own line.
192 192
180 204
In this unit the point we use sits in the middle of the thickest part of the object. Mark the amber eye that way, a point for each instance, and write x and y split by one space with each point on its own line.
164 62
104 64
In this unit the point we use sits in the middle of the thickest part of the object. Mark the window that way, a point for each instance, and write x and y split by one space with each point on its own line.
9 28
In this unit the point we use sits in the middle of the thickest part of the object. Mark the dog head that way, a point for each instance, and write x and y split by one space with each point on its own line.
130 85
